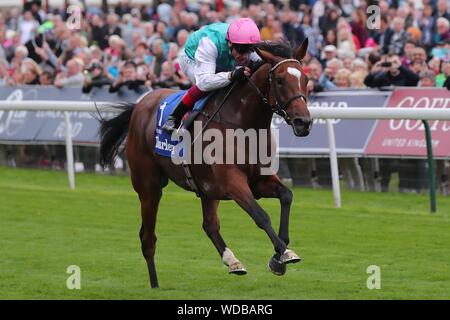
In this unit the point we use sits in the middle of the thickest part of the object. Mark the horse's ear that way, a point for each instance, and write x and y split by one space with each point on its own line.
266 56
300 52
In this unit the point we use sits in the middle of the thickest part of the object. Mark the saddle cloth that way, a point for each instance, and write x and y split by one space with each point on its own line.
164 145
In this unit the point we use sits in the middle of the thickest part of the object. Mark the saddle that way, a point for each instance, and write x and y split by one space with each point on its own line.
164 144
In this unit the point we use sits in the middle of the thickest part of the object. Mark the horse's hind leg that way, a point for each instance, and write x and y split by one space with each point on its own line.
211 225
149 208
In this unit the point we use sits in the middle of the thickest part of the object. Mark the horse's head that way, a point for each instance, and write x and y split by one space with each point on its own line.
287 87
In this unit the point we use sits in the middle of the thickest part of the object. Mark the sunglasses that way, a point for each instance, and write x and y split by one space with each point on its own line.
242 48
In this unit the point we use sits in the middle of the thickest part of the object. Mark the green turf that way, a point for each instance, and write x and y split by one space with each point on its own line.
44 228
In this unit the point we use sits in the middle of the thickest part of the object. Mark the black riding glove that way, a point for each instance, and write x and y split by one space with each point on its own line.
237 75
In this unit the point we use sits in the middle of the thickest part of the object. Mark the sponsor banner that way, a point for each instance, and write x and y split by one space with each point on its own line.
351 135
48 126
407 137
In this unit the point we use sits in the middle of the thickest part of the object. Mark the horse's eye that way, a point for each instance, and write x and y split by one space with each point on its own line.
279 81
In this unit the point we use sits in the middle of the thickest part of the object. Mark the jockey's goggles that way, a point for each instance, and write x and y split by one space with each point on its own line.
242 48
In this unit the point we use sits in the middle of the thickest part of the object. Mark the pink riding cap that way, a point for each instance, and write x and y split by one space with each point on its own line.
243 31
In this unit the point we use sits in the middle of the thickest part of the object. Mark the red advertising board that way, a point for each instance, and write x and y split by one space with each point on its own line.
407 137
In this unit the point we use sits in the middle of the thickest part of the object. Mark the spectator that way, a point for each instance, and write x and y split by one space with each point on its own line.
158 57
399 37
346 45
47 78
329 52
149 33
181 39
434 65
342 78
384 36
112 25
27 26
128 78
408 53
315 72
444 76
71 77
313 35
344 25
16 79
161 31
329 21
19 55
426 24
117 49
94 77
418 60
442 10
4 74
99 32
358 65
73 46
391 72
267 29
358 26
95 52
357 79
132 32
136 39
443 30
347 61
164 11
167 77
427 78
327 78
31 72
330 38
141 54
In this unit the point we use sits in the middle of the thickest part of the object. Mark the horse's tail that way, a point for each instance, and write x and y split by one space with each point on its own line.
113 132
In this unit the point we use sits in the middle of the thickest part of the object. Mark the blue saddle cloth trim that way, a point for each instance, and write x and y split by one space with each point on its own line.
164 145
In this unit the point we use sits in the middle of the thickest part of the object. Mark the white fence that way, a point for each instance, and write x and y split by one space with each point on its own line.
316 113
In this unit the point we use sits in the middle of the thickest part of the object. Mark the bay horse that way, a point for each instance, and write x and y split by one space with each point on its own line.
277 85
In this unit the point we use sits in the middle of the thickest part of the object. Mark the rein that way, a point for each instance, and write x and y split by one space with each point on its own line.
211 117
278 108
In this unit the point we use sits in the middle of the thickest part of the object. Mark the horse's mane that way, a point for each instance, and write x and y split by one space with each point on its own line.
280 48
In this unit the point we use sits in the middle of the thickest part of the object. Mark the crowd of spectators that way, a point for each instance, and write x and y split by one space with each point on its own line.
137 46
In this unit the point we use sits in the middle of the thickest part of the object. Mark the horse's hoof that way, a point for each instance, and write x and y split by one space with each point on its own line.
237 268
289 256
276 266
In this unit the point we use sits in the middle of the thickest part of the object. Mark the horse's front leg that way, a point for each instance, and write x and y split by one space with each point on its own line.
239 191
272 187
211 225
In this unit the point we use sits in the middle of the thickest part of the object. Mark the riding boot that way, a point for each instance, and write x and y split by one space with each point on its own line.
174 120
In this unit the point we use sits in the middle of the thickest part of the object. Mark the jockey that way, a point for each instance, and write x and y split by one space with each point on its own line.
209 60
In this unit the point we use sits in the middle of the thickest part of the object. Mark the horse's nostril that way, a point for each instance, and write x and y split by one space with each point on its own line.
298 122
302 122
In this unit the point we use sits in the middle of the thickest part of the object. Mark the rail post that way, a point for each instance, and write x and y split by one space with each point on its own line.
431 167
334 164
69 151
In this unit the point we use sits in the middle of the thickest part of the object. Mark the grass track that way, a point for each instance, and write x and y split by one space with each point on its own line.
44 228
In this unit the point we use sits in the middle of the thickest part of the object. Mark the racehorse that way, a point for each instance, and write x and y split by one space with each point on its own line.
278 85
